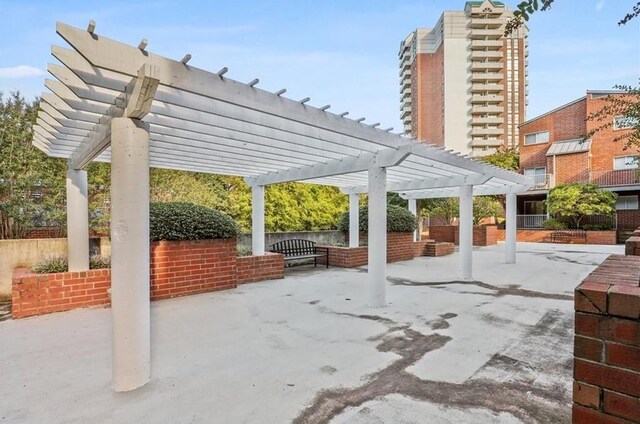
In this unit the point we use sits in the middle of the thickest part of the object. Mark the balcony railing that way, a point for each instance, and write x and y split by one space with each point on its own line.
615 178
543 181
531 221
535 221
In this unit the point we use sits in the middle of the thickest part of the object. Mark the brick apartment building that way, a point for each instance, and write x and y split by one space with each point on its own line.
553 151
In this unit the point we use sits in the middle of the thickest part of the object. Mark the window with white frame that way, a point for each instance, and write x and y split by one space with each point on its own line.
627 203
539 175
536 138
623 122
625 162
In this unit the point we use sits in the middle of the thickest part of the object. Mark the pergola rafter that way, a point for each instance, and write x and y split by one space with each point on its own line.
115 103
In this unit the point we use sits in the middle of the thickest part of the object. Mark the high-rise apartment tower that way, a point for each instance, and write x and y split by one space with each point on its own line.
463 84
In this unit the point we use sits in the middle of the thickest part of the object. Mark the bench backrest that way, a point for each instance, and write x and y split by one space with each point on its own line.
294 247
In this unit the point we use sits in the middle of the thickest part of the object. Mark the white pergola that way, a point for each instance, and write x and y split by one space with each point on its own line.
121 104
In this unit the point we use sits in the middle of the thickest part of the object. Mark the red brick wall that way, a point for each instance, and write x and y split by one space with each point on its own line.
572 168
420 246
563 124
260 268
443 233
603 148
180 268
37 294
427 96
400 247
439 249
607 344
346 257
628 219
602 237
483 235
45 232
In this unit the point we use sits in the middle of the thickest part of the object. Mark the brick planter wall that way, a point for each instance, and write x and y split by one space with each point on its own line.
419 247
346 257
483 235
607 344
400 247
270 266
177 268
37 294
439 249
602 237
180 268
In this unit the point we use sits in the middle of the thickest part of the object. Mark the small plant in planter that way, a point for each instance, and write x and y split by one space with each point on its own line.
55 264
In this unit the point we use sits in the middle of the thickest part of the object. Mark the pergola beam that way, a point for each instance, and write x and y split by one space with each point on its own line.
454 192
384 158
426 184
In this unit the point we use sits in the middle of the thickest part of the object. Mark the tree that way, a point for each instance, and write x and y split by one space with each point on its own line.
577 200
504 158
31 184
485 207
448 208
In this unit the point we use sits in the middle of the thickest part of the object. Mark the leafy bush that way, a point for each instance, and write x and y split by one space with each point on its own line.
399 220
554 224
99 262
51 265
185 221
243 251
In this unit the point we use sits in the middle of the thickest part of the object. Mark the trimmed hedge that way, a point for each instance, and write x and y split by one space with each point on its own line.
399 220
54 264
185 221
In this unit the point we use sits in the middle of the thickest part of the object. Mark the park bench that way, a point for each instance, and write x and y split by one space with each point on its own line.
295 249
568 236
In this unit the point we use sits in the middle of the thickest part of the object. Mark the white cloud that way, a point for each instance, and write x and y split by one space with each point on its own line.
600 5
21 71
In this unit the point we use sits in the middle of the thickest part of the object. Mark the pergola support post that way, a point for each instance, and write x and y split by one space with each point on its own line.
466 231
354 220
413 208
77 220
511 229
257 220
377 268
130 302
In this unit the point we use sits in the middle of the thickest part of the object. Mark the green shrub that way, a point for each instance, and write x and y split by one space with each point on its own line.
554 224
597 227
51 265
185 221
243 251
99 262
399 220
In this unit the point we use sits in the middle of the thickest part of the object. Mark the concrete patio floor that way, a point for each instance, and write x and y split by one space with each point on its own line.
306 349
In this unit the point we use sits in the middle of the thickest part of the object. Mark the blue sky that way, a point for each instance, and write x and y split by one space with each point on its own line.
342 53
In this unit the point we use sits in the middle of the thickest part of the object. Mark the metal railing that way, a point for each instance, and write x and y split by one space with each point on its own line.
615 177
535 221
530 221
543 181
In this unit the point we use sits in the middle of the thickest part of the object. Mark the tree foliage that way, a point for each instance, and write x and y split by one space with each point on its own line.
575 201
448 208
504 158
399 220
485 207
185 221
31 184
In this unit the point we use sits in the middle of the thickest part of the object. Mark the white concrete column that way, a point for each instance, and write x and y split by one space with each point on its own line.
466 231
377 267
413 208
354 221
77 220
130 304
511 229
257 220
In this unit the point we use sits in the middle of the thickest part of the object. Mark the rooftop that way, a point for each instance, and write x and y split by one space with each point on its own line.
307 349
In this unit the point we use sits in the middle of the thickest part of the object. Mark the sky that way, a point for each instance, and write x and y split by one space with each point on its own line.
342 53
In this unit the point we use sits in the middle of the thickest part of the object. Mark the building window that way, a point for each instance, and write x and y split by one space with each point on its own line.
624 122
539 175
534 207
536 138
627 203
625 162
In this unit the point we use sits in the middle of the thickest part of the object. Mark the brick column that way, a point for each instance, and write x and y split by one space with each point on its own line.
607 344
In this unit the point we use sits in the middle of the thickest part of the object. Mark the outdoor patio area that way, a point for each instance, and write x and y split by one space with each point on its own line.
306 349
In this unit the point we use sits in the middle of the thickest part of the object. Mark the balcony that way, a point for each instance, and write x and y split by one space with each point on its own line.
481 44
487 120
543 181
612 178
535 221
495 33
485 22
483 54
481 66
488 98
404 111
482 142
486 131
486 76
487 87
486 109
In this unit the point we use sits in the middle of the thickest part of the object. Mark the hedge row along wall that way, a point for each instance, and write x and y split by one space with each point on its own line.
607 344
178 268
